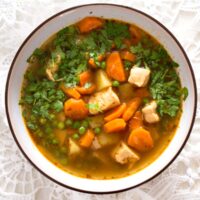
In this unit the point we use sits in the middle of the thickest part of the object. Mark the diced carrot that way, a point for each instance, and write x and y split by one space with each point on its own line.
100 57
70 131
115 113
114 125
75 109
85 77
114 67
92 63
89 23
140 139
113 45
136 121
126 55
71 92
131 108
136 34
86 139
142 92
127 42
83 90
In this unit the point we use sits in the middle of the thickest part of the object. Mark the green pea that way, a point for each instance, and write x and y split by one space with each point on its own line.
85 123
54 123
64 161
97 130
43 121
61 125
81 130
48 130
63 149
76 124
54 141
97 63
39 133
103 64
68 122
52 116
75 136
115 83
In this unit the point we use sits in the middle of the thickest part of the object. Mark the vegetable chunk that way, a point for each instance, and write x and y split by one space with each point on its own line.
136 121
74 149
75 109
87 139
102 81
89 23
103 100
131 108
140 139
126 55
114 125
123 154
71 92
139 76
116 113
114 67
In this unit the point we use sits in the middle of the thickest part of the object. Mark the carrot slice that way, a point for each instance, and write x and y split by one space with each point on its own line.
83 90
85 77
70 131
75 109
71 92
127 42
140 139
115 113
89 23
131 108
136 121
115 125
92 63
126 55
86 139
142 92
114 67
136 34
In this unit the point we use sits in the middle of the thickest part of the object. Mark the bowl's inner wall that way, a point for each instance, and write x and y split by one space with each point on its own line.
42 34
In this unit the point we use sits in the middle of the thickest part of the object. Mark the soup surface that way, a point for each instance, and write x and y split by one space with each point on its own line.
101 98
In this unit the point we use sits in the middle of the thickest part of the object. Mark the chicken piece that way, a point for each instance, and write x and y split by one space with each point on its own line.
139 76
74 149
149 112
103 100
95 144
123 154
52 67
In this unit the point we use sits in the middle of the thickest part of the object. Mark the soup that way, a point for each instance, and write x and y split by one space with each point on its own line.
101 98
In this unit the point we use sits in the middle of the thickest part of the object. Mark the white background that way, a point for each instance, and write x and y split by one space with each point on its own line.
19 180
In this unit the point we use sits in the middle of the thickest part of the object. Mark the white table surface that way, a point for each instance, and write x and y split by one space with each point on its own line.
20 181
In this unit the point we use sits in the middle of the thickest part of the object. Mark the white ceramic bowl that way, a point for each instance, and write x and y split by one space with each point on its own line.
43 32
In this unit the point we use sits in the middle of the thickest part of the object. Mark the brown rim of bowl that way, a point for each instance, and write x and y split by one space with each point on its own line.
100 4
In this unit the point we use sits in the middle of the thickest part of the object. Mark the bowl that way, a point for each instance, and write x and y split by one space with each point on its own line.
42 33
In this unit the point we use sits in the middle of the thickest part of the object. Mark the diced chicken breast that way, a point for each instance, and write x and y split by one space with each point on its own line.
149 112
123 154
139 76
52 67
103 100
74 149
152 118
95 144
